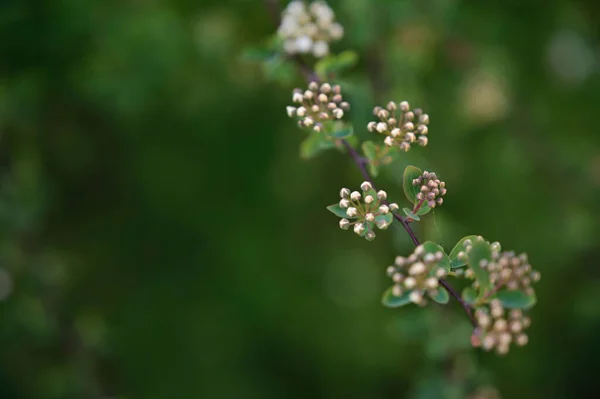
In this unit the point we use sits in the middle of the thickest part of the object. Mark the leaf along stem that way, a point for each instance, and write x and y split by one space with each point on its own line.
361 162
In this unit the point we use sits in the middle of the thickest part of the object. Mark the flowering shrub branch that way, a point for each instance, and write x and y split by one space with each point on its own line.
501 282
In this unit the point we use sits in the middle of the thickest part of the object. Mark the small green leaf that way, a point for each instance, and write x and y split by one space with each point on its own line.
480 250
314 144
454 261
411 191
469 295
370 150
334 64
410 214
423 210
389 218
343 133
392 301
441 296
337 210
432 247
516 299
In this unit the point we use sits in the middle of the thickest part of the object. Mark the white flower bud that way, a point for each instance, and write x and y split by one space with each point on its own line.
395 132
338 113
389 141
336 31
394 206
488 342
345 105
355 196
422 129
371 126
397 290
410 282
369 217
410 136
318 127
320 49
304 43
344 224
359 228
390 271
366 186
325 87
351 212
370 235
383 114
415 297
424 119
301 111
383 209
399 261
408 126
381 195
322 98
369 199
441 272
381 224
308 94
404 146
291 111
381 127
344 203
398 277
417 268
423 140
391 106
409 116
404 106
308 121
297 97
522 339
344 193
431 283
429 258
314 86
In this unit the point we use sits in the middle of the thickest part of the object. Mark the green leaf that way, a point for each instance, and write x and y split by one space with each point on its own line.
343 133
469 295
516 299
411 191
423 210
392 301
432 247
314 144
334 64
389 218
370 150
337 210
279 69
441 296
480 250
410 214
256 54
454 261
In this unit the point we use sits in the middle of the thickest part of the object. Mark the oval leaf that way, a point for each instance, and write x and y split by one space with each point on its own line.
370 150
432 247
343 133
516 299
423 210
338 211
441 296
314 144
410 214
454 261
480 250
469 295
392 301
411 191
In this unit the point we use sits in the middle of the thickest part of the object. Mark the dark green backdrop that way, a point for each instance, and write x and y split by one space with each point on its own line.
161 238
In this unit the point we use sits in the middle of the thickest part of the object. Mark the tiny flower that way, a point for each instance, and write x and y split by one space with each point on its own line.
291 111
370 235
366 186
381 195
344 203
344 224
369 199
338 113
369 217
404 106
344 193
381 127
371 126
317 104
384 209
394 206
381 224
416 297
351 212
355 196
359 228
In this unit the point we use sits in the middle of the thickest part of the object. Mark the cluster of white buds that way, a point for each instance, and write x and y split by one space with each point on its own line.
496 331
366 211
401 126
418 274
432 189
506 269
317 104
308 29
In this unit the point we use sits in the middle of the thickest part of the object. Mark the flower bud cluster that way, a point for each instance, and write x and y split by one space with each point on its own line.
432 189
401 126
308 29
317 104
506 269
365 210
497 330
417 274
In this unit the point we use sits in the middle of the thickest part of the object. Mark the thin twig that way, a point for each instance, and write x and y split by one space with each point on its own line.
361 163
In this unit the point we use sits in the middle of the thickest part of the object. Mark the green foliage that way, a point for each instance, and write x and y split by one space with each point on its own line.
469 295
516 299
480 251
314 144
334 64
459 247
442 296
370 151
410 214
337 210
410 190
342 133
391 301
432 247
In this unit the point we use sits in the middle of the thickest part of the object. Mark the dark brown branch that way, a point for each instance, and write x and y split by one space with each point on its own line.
361 162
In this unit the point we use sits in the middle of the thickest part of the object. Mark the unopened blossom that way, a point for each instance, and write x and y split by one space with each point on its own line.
418 274
499 328
431 189
308 28
365 210
402 126
317 105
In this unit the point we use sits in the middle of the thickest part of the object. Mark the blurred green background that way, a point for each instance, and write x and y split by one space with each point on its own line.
160 236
